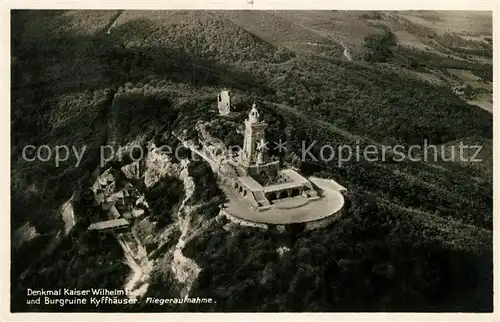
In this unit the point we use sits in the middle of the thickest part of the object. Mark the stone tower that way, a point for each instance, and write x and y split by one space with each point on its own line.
254 141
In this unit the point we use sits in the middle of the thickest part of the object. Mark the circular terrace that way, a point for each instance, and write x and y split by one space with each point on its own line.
289 210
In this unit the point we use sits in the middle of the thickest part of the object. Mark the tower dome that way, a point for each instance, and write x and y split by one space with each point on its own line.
254 115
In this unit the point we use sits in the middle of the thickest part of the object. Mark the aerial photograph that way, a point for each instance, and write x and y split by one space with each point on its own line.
251 161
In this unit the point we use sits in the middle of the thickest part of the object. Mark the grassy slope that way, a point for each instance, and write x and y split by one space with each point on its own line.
176 58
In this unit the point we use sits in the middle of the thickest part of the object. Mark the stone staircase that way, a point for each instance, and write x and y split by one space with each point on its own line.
261 200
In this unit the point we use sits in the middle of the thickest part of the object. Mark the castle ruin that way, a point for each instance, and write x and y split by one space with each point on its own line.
224 102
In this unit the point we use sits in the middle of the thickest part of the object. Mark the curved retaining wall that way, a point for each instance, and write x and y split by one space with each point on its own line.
323 222
310 225
242 222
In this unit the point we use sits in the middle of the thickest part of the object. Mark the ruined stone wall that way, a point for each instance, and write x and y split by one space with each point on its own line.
269 169
224 102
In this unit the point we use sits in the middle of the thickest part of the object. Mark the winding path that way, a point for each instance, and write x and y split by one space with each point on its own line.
346 51
112 23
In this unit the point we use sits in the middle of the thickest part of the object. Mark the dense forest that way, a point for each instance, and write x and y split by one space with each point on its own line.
415 237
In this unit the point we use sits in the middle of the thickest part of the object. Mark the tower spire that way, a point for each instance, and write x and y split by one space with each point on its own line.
254 116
